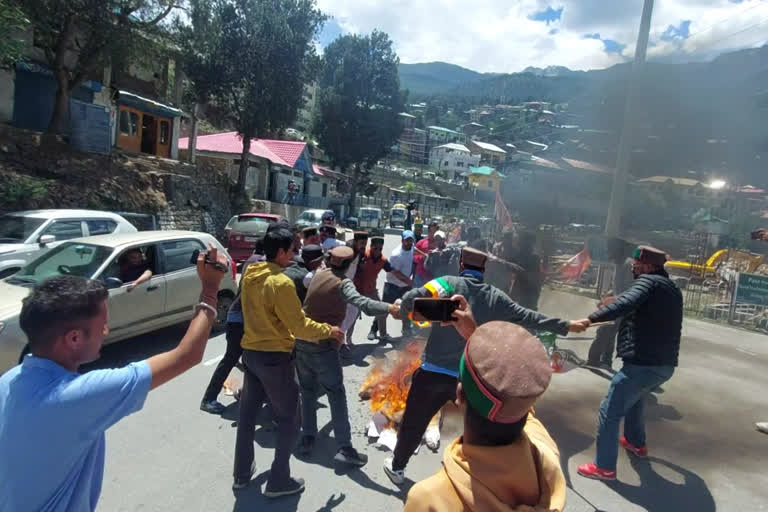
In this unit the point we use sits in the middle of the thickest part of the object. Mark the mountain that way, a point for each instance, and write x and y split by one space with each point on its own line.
435 77
551 71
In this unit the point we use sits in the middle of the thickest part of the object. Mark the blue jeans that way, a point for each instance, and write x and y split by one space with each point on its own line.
625 399
318 366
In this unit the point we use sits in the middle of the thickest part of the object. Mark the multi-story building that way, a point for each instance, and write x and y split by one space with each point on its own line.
489 153
452 159
438 135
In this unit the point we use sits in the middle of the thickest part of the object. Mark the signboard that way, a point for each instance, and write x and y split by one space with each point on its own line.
751 289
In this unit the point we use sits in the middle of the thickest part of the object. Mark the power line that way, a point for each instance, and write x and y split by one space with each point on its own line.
715 41
710 27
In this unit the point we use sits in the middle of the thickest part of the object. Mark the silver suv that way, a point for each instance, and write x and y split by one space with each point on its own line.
26 235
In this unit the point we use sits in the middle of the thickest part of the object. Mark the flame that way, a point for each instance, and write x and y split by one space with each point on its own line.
388 388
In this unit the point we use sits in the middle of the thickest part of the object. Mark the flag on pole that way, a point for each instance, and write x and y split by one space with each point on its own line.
503 218
575 266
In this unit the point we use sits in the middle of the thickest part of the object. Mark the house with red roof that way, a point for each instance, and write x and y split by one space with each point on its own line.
273 164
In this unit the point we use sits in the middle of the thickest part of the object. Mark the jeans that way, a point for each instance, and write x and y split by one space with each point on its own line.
232 354
268 375
428 394
625 399
319 367
601 349
390 295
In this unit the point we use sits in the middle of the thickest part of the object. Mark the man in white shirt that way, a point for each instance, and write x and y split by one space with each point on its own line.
401 259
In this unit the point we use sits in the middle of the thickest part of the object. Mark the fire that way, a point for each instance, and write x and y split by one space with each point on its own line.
388 388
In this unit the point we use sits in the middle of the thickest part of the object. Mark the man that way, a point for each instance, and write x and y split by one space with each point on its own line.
527 286
318 364
423 247
53 419
601 349
367 275
328 238
311 236
134 269
651 313
434 381
418 230
401 260
273 317
357 244
506 460
443 260
311 258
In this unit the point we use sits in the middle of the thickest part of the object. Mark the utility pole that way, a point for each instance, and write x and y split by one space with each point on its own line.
613 222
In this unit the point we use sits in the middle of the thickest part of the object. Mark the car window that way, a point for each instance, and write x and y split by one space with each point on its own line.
250 225
178 254
16 229
130 263
101 226
67 259
65 229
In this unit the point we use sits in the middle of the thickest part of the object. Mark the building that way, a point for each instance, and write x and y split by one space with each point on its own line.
489 153
472 129
437 135
412 146
408 120
485 179
272 164
450 160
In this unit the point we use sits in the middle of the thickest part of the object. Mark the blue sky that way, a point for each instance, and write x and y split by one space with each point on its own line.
509 35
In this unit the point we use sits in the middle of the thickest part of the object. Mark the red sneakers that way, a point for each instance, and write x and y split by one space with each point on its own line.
589 470
640 451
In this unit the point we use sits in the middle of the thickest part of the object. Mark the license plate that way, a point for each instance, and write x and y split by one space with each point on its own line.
251 238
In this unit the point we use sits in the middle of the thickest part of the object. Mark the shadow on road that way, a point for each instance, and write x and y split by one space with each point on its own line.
657 493
251 498
141 347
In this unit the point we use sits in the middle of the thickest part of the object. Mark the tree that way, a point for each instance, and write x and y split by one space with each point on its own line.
269 52
80 37
359 99
12 23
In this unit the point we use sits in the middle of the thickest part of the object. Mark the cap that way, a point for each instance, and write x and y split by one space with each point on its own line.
361 235
328 229
309 231
311 253
651 255
340 254
408 234
377 240
329 215
441 234
503 371
473 257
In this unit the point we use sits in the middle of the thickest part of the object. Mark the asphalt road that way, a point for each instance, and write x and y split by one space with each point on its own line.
705 453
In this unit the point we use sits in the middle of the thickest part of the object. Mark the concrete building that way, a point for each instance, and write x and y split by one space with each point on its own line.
485 179
489 153
438 135
450 160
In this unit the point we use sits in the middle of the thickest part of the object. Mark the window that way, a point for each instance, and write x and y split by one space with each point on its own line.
128 267
67 259
446 162
165 132
325 189
490 184
179 253
459 164
65 229
17 229
129 123
101 226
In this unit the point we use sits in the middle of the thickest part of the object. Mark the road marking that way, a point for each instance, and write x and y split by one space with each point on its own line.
213 361
748 352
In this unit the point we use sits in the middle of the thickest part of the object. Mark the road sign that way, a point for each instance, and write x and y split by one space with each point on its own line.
752 289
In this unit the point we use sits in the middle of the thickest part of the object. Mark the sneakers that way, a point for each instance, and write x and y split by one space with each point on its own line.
386 338
306 445
213 407
371 336
640 451
590 470
291 486
349 455
432 438
396 475
762 427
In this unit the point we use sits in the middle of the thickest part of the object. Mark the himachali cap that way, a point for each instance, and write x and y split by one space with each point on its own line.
473 257
340 254
503 371
377 240
361 235
650 255
309 231
311 253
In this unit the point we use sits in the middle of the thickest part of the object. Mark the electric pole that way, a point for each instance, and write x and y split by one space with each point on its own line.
613 222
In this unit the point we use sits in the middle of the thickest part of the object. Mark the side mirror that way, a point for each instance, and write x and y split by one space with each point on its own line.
111 283
46 239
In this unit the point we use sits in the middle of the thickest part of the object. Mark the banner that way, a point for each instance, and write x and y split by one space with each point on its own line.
503 218
575 266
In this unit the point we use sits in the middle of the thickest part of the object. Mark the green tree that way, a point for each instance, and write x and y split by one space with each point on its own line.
80 37
268 47
358 103
12 24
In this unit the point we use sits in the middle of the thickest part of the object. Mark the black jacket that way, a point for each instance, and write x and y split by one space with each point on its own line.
445 346
652 321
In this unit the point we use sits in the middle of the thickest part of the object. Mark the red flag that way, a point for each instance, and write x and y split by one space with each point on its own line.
575 266
503 218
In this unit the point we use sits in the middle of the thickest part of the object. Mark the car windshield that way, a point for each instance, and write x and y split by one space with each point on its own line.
398 213
369 214
308 216
16 229
250 225
71 258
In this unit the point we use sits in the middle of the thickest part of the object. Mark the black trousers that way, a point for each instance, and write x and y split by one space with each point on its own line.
231 356
390 295
428 394
601 350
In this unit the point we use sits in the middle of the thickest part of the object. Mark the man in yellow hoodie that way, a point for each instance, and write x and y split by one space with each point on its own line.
506 460
273 318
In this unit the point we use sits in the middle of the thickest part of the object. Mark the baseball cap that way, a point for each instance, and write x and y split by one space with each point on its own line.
408 234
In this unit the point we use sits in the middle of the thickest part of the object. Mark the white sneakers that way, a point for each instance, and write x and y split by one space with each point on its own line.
432 437
762 427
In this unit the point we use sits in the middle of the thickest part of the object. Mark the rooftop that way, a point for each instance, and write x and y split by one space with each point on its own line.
485 171
406 114
455 147
282 152
488 146
441 129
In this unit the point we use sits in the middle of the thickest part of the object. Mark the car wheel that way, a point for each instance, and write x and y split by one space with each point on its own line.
225 301
24 352
8 272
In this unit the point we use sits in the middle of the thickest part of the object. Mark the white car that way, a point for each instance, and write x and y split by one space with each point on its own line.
166 299
26 235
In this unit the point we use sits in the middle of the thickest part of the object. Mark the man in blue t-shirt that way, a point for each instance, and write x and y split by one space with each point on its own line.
52 419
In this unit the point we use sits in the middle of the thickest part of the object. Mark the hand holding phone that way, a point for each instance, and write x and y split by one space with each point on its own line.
434 309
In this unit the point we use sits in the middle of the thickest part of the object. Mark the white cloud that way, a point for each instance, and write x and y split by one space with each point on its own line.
498 35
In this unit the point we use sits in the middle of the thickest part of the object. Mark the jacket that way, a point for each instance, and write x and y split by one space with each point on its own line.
650 330
296 271
524 476
272 311
444 345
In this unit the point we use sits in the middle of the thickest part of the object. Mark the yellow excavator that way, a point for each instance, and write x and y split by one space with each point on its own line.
745 261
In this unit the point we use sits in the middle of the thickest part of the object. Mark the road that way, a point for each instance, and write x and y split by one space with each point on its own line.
705 453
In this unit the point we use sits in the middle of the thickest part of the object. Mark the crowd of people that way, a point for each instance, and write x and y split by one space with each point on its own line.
290 324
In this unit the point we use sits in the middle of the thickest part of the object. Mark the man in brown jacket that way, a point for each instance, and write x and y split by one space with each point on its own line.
318 365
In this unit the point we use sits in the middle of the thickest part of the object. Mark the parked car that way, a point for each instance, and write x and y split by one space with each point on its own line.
166 299
397 216
370 218
243 230
309 218
26 235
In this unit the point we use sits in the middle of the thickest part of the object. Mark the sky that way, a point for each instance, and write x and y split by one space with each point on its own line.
505 36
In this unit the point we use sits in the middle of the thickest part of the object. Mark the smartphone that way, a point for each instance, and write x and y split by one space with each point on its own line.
435 310
218 266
